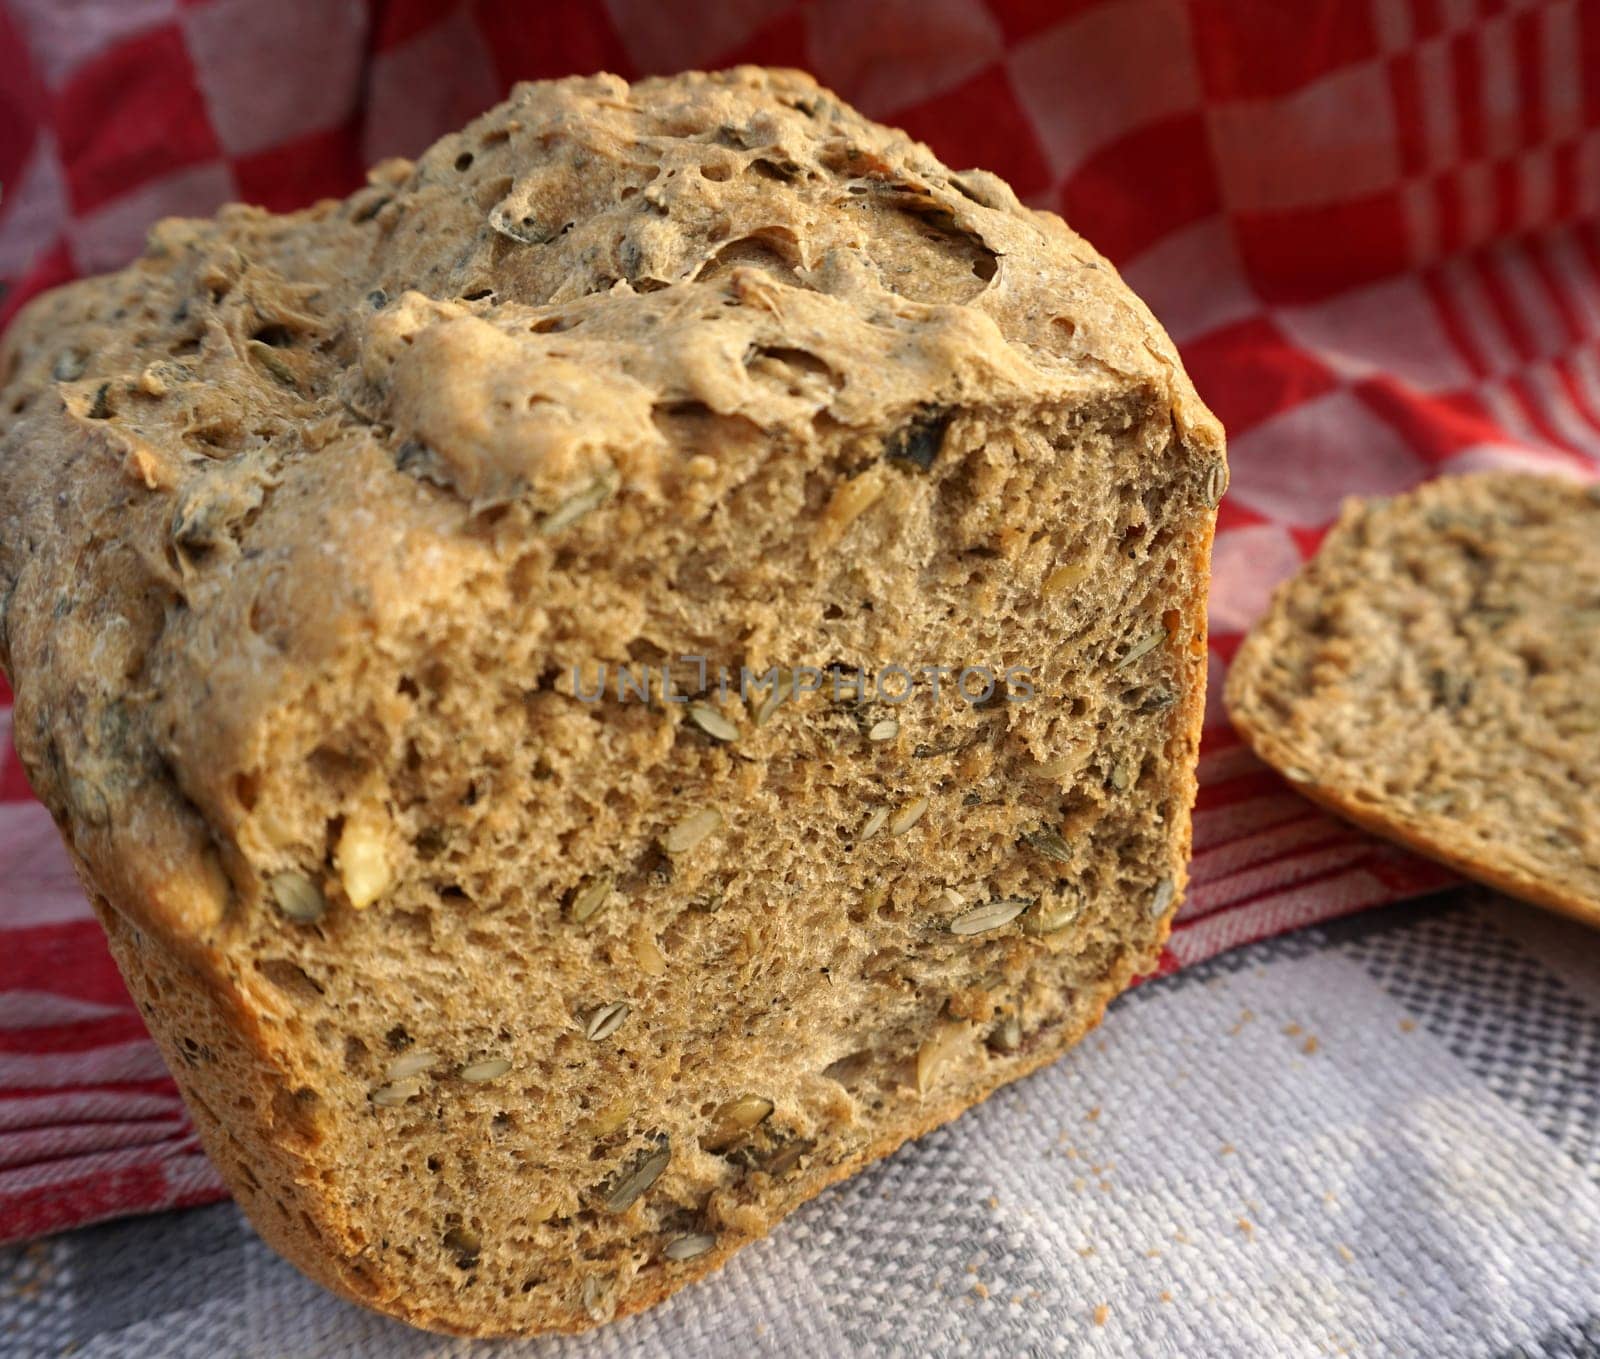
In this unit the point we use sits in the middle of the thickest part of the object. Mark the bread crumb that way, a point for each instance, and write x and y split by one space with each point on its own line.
1292 1030
1152 1254
1101 1313
1345 1253
994 1202
980 1289
972 1268
1310 1045
1246 1226
1407 1025
1085 1251
1165 1296
1093 1114
1079 1184
1182 1238
1226 1150
1245 1017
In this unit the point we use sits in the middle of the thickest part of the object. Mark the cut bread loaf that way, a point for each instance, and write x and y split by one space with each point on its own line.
504 1007
1434 673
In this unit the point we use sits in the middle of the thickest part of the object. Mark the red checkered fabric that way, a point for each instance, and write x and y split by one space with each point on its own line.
1369 225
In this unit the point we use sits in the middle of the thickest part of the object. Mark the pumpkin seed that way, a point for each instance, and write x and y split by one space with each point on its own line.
645 1172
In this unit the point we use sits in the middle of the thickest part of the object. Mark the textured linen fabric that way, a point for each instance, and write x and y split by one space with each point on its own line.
1370 225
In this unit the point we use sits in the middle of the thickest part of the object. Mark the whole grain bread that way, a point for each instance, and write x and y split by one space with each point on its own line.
1434 674
505 1004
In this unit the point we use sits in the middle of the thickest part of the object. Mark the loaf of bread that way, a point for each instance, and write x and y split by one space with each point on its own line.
610 679
1434 674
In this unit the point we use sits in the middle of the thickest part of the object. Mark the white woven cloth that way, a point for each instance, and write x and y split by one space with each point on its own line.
1379 1137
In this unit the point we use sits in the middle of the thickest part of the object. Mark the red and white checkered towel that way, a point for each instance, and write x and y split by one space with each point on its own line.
1369 225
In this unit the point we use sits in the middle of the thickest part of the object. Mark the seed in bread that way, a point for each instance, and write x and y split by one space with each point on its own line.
1434 673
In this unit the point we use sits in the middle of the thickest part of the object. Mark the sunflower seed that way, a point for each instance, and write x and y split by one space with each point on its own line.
646 1171
874 824
1065 577
490 1069
523 230
885 730
691 831
297 897
591 898
69 366
597 1303
1143 647
410 1064
464 1244
733 1119
1216 483
774 698
712 722
688 1246
1050 844
1007 1034
1049 916
605 1021
397 1092
936 1052
575 506
908 816
990 916
1161 898
273 362
787 1158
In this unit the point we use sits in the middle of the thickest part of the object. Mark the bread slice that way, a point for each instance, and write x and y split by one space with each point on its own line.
505 1004
1434 674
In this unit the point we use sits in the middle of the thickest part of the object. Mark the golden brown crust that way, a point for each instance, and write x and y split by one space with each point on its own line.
313 528
1429 677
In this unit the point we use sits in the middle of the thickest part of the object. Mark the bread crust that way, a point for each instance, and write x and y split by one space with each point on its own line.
1284 726
277 478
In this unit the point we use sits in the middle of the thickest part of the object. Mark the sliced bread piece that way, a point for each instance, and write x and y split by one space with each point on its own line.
337 550
1434 674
